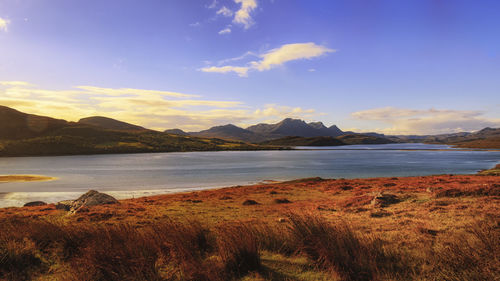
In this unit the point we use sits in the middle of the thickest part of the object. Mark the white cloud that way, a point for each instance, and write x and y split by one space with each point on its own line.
226 30
4 23
274 58
195 24
244 56
430 121
148 108
225 12
242 71
242 16
290 52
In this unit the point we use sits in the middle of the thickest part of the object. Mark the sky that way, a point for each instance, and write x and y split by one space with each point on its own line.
390 66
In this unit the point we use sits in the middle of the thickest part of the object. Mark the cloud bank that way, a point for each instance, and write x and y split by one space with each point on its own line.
148 108
273 58
429 121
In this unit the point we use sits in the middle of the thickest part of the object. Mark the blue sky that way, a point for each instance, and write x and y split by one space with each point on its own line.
416 66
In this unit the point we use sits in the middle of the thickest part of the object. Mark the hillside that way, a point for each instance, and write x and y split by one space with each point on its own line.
485 138
363 139
176 132
230 132
302 141
328 141
109 124
29 135
18 125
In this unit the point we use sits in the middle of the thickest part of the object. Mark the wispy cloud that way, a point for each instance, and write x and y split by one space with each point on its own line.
274 58
225 12
242 71
242 16
14 83
132 92
149 108
212 5
429 121
226 30
4 23
195 24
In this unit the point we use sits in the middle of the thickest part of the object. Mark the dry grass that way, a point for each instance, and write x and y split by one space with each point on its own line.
442 228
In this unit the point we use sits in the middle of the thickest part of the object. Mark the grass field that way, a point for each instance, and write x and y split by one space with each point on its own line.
443 227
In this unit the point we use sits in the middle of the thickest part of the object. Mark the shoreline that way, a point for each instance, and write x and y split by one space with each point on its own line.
135 194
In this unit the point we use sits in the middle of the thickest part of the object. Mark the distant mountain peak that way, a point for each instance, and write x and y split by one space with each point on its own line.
317 125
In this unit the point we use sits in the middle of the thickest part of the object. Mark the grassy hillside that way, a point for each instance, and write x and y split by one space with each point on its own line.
328 141
108 123
302 141
29 135
416 228
17 125
87 140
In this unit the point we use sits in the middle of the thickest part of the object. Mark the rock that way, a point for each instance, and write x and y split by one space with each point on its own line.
64 205
250 202
92 198
384 200
35 204
282 201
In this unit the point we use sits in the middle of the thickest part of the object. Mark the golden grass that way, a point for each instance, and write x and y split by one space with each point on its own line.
441 228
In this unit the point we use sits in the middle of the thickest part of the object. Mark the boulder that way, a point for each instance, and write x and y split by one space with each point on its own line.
249 202
64 205
384 200
35 204
92 198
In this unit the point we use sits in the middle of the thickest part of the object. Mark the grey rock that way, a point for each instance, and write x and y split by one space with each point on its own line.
92 198
35 204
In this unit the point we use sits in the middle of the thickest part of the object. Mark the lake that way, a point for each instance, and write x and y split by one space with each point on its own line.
134 175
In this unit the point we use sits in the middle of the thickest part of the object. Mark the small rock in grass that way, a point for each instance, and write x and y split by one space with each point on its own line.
282 201
249 202
35 204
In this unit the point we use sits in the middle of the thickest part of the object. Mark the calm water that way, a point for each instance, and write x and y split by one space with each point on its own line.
133 175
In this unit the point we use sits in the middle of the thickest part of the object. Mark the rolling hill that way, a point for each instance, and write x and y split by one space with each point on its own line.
24 134
18 125
110 124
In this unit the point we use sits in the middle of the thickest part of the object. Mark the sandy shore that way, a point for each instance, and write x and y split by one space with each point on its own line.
24 178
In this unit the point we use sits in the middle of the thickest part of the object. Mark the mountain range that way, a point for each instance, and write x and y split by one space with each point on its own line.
23 134
265 132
